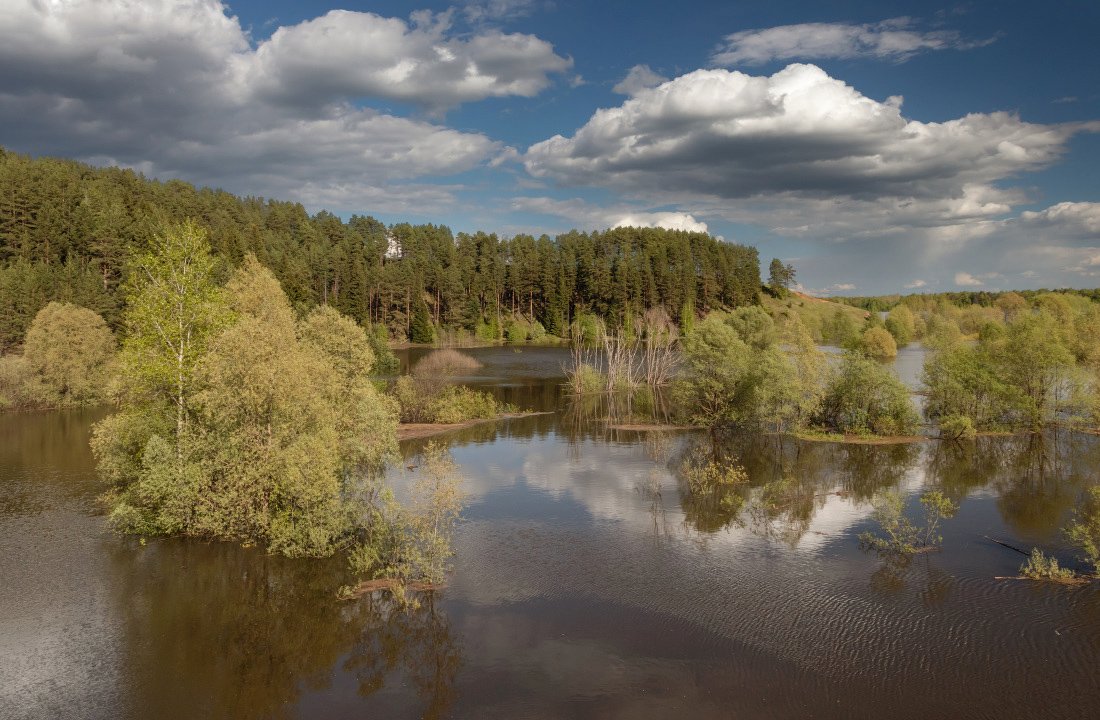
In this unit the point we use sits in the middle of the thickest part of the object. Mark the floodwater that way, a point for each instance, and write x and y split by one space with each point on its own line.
588 583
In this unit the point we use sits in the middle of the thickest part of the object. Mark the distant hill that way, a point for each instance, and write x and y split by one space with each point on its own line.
814 312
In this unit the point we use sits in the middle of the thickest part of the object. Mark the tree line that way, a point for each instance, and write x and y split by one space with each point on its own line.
67 229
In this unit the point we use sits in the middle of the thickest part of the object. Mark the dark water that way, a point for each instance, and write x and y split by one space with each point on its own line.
588 584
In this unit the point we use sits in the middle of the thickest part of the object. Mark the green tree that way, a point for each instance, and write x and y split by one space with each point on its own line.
878 343
780 277
865 397
69 351
174 309
901 324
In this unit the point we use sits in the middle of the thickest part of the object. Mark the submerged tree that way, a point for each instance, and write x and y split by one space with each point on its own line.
276 431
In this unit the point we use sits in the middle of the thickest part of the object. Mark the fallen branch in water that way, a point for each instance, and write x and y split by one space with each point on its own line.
369 586
1075 580
1010 547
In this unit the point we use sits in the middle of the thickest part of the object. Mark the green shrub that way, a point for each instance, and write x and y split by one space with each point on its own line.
865 397
957 427
1043 567
459 404
587 379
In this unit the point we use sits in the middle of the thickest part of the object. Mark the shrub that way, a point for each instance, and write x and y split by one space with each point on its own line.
899 536
69 350
459 404
1084 531
878 343
585 379
445 363
865 397
957 427
1043 567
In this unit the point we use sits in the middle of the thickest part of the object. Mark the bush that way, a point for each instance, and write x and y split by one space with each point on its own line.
459 404
878 343
865 397
69 350
585 379
1084 531
447 362
899 536
1043 567
957 427
385 362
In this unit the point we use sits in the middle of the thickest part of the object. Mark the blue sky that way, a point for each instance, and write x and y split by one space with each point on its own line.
879 146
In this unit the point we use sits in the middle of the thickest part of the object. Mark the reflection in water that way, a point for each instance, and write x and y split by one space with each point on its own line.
238 633
588 584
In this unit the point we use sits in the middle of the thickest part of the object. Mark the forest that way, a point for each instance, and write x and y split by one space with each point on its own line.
67 230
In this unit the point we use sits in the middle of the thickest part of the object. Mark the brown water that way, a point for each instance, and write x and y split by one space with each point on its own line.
588 584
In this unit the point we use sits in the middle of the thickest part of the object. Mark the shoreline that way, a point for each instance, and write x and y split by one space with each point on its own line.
415 431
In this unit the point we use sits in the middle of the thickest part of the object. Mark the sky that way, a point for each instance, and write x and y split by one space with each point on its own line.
878 146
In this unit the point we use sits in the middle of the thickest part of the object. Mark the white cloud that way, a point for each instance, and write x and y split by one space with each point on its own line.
915 284
640 77
965 279
177 90
896 39
593 217
804 154
355 54
842 287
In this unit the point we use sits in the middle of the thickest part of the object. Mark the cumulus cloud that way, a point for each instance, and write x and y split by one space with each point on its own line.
356 54
897 39
177 89
802 153
916 284
965 279
640 77
593 217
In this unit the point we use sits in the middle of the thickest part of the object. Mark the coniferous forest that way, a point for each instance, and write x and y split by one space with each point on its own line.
67 230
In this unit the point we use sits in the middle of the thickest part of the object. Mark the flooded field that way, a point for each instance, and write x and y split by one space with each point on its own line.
589 583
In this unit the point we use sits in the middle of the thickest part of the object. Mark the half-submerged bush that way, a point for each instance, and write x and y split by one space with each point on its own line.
237 422
428 394
957 427
864 397
897 534
1045 567
1084 531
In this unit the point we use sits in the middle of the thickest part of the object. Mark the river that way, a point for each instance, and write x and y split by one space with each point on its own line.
588 584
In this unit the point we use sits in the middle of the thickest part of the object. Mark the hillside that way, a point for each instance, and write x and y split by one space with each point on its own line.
814 312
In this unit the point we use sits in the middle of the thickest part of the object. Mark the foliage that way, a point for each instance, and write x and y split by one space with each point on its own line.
712 486
65 228
281 432
1084 531
902 325
585 379
414 544
864 397
68 355
957 427
898 535
1018 376
780 277
174 309
878 343
385 362
428 395
1043 567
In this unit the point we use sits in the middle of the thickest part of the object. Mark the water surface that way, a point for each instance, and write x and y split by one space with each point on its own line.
589 583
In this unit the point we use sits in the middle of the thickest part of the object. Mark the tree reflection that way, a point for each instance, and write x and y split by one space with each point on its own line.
221 631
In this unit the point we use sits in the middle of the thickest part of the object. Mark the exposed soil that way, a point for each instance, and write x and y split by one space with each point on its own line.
409 431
